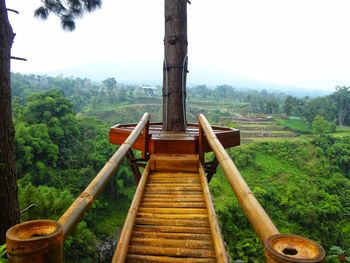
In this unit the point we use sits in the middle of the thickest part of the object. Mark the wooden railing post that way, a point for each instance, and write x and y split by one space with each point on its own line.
145 134
279 247
200 144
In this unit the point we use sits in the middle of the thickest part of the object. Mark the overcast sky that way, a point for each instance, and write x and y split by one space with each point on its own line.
303 43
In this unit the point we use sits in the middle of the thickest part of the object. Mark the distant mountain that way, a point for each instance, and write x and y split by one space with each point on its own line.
151 74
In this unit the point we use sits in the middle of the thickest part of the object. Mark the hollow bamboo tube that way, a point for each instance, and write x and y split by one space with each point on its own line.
219 246
35 241
124 239
256 215
77 210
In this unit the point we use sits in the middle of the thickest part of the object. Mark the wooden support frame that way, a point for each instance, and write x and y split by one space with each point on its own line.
133 166
210 168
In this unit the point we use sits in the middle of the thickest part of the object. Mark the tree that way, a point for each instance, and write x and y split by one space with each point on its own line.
322 106
9 211
175 65
342 100
67 11
110 83
320 125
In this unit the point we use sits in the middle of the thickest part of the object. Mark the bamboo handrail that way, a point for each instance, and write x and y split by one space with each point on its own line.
124 238
256 215
214 226
77 210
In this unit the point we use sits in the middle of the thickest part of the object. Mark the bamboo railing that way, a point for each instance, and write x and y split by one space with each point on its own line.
123 244
22 239
77 210
42 240
256 215
278 247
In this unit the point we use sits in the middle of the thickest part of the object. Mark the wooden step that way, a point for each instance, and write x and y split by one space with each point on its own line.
171 251
175 162
171 220
172 216
159 242
160 235
132 258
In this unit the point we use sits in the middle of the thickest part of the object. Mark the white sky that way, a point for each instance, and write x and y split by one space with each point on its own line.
303 43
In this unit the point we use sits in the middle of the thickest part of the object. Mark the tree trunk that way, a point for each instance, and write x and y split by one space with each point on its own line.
175 65
9 210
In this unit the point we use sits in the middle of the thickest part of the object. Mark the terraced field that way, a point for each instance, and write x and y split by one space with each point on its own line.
253 128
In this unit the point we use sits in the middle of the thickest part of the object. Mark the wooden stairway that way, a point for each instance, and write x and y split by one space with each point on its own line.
171 218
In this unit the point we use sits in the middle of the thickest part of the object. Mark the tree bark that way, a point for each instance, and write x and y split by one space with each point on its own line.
175 66
9 210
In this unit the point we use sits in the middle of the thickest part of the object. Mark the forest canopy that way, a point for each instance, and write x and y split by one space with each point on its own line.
61 143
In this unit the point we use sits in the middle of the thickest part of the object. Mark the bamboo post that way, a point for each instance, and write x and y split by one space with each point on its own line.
279 247
35 241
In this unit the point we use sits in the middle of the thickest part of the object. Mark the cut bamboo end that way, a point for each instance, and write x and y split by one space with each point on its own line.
282 248
35 241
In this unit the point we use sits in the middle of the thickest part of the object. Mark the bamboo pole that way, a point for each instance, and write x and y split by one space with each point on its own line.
219 246
124 239
256 215
77 210
279 248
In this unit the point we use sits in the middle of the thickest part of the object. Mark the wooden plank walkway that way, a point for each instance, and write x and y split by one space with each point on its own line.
173 219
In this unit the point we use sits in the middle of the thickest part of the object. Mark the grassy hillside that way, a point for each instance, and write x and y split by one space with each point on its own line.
300 188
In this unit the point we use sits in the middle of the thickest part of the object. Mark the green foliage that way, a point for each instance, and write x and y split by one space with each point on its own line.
337 254
68 12
296 125
321 126
59 153
335 151
48 202
303 186
3 253
243 158
81 245
303 194
341 99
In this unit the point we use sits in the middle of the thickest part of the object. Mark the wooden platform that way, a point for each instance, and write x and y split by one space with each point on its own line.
158 141
172 218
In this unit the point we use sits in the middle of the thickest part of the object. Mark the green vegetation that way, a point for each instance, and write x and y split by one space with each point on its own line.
303 188
303 182
297 125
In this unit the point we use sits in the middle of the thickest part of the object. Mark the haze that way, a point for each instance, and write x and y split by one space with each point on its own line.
296 43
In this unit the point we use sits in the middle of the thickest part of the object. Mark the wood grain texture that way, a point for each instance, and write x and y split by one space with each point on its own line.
172 222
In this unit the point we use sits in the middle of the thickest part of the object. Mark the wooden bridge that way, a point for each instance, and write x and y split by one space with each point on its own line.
172 217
